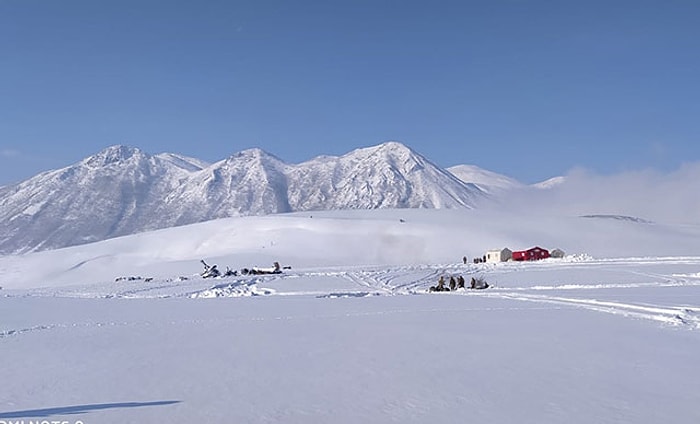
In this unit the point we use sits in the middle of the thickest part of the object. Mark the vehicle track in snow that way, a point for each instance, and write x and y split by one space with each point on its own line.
616 276
686 316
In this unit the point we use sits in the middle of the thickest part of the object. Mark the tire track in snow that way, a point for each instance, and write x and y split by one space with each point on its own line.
367 279
395 278
417 279
250 319
8 333
668 283
686 316
677 316
48 327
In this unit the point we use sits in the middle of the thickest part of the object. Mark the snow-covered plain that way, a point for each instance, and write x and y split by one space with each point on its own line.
608 334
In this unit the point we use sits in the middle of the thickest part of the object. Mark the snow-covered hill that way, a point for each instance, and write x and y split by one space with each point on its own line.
609 333
550 183
384 237
123 190
487 181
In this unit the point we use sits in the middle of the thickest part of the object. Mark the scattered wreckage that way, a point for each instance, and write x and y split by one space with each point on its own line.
211 271
133 278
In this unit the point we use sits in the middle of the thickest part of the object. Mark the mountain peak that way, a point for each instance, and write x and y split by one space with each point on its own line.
113 154
388 149
393 145
253 153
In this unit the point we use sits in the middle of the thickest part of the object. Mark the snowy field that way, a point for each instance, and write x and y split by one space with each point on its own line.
348 334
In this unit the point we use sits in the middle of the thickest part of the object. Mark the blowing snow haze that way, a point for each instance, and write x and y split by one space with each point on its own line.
647 195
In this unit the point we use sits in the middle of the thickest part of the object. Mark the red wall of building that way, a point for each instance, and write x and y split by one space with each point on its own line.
534 254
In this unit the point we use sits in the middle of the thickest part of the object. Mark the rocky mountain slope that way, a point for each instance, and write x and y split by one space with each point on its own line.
123 190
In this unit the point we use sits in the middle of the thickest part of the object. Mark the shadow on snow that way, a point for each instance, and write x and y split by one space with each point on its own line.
80 409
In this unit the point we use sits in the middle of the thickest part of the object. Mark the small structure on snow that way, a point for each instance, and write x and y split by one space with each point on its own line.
557 253
499 255
533 254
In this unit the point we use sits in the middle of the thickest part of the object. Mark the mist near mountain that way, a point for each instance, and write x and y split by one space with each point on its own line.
488 181
649 195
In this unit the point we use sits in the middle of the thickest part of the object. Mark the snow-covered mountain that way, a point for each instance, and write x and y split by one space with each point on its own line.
487 181
550 183
123 190
386 176
111 193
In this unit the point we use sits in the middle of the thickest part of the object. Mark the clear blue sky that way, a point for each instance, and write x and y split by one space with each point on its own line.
525 88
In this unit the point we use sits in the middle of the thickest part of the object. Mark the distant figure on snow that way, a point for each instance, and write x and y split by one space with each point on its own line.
440 285
479 284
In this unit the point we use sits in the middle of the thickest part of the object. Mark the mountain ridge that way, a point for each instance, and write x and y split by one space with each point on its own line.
122 190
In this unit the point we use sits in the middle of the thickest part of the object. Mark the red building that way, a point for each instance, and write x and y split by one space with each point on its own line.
533 254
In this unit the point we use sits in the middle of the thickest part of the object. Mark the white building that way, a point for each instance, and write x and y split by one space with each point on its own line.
557 253
499 255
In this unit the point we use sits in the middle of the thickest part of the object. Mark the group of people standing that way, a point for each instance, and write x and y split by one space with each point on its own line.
458 283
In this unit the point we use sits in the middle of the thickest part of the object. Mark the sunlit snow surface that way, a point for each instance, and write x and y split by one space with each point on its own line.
608 334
